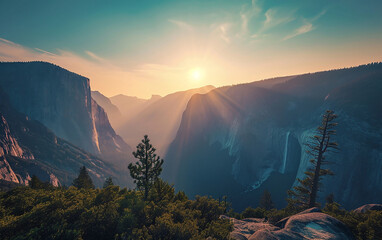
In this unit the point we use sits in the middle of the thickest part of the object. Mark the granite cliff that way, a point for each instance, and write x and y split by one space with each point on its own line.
61 100
240 140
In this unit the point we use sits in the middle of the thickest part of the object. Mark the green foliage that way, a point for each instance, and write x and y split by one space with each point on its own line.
363 225
147 169
109 213
36 183
272 216
253 213
83 180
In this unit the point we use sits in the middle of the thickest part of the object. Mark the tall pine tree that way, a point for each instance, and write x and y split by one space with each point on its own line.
148 167
305 194
83 180
266 201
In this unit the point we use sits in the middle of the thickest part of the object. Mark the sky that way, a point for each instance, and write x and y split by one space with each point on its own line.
142 47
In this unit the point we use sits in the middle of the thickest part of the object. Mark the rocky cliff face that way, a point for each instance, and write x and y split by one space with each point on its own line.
62 101
110 144
28 148
240 140
112 110
9 146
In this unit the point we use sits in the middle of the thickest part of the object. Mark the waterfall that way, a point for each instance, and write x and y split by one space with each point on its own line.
282 170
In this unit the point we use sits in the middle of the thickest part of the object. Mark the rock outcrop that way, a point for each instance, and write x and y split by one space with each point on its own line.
368 207
310 224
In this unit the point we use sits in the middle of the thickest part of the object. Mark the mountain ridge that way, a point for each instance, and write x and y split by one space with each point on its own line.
238 138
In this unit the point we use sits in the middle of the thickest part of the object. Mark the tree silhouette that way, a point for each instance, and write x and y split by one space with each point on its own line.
35 182
148 167
83 180
305 194
108 182
330 199
266 201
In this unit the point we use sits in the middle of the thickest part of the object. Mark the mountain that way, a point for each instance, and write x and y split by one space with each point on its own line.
160 120
241 140
131 106
28 148
112 111
61 100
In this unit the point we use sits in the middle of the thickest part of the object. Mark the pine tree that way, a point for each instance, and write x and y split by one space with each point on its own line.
330 199
148 167
35 182
266 201
305 194
83 180
108 182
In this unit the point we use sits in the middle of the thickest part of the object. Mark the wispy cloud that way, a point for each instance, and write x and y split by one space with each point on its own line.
301 30
96 57
7 41
274 17
306 27
323 12
223 31
181 24
46 52
246 14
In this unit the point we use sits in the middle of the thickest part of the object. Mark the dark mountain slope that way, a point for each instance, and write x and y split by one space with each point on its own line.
160 120
240 140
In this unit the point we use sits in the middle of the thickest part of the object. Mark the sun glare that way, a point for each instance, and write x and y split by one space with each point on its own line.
196 74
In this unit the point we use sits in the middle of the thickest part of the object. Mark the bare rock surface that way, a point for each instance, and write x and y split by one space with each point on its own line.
309 224
368 207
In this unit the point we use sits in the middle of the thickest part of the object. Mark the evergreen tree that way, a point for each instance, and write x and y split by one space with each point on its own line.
83 180
108 182
266 201
305 194
35 182
330 199
148 167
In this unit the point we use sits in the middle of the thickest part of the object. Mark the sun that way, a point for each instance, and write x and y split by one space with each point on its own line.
196 74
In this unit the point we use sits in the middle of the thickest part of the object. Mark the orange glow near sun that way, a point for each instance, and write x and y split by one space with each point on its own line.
196 74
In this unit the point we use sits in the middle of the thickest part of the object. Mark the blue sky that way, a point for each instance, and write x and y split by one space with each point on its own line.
153 47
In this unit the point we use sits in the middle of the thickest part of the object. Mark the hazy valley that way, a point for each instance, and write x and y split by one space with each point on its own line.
232 143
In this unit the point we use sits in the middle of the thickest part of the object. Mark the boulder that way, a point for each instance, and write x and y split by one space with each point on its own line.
313 225
282 222
244 228
368 207
309 224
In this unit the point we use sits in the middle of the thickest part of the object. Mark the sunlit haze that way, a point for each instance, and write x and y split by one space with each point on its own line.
196 74
140 48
